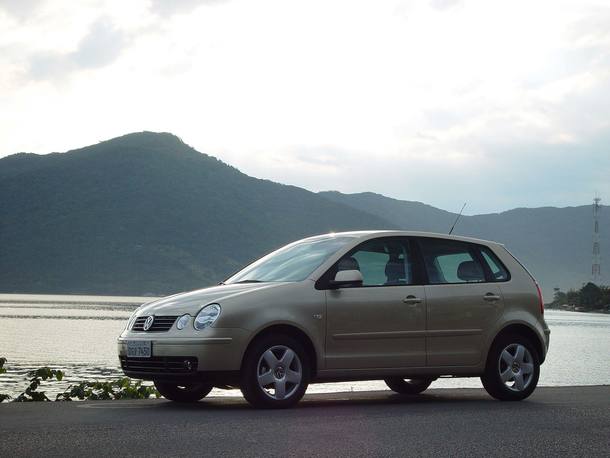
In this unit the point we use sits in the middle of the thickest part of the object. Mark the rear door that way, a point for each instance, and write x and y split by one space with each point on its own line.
463 301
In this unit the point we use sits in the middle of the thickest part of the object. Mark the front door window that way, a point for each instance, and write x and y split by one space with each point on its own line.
382 262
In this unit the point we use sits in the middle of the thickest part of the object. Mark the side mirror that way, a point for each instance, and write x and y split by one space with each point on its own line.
347 278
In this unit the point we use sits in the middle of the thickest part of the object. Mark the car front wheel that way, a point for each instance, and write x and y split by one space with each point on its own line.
190 392
408 386
512 369
275 372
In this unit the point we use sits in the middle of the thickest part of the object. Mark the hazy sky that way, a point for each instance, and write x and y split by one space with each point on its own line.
498 103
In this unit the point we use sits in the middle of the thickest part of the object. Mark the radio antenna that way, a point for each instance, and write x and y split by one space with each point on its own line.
457 219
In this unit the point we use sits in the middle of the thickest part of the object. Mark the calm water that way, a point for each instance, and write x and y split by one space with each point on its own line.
78 335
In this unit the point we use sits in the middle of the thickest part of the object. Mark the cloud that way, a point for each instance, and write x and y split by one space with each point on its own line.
443 4
322 156
170 7
21 9
591 30
100 47
48 65
442 119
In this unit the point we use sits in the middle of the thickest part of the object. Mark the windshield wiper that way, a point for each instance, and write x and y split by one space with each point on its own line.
248 281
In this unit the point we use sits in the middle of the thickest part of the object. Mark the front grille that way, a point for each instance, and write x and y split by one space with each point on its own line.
160 364
160 323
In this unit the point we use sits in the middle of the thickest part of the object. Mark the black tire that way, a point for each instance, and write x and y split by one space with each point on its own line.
408 386
255 364
524 368
189 392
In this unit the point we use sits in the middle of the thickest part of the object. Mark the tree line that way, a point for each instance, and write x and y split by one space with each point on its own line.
589 297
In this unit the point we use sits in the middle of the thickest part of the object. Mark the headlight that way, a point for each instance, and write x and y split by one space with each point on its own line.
183 321
206 316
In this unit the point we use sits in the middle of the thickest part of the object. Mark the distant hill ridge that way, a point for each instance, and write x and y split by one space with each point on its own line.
145 213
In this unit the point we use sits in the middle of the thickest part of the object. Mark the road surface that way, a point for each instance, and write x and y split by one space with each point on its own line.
566 421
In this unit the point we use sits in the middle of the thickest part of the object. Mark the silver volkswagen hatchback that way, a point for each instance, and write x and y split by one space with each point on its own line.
403 307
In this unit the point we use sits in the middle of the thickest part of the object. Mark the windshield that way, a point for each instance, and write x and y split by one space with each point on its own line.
294 262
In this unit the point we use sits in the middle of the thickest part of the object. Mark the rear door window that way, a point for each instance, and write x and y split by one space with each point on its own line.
451 261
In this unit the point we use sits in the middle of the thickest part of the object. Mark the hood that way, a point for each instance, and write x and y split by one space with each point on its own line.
191 302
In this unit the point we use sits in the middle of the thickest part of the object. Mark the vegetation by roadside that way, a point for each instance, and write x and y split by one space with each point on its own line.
122 388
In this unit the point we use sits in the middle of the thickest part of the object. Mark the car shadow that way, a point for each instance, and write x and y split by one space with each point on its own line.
465 398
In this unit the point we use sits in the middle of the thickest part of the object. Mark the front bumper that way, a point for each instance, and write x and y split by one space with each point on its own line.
184 357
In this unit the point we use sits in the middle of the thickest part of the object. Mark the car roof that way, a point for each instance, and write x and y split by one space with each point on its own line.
364 235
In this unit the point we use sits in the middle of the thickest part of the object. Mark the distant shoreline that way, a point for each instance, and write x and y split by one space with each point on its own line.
74 299
560 309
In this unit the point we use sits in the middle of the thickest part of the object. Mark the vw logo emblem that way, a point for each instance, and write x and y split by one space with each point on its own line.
148 323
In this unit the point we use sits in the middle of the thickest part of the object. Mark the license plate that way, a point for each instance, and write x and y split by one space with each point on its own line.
139 349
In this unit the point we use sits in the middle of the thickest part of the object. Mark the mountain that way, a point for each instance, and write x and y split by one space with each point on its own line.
145 214
554 243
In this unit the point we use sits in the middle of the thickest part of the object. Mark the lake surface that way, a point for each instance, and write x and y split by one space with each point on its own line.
78 335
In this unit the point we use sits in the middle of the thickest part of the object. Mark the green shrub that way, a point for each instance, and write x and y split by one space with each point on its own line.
37 376
3 397
123 388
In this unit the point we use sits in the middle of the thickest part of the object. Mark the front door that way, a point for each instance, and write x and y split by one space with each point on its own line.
380 324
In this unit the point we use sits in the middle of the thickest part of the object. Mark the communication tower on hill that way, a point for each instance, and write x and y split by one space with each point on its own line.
596 270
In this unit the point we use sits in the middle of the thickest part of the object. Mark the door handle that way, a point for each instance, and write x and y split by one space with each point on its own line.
411 300
491 297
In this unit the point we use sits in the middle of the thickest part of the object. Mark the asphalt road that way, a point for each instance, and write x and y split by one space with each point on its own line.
570 421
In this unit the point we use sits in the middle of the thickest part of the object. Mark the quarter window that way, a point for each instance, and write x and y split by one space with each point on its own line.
451 261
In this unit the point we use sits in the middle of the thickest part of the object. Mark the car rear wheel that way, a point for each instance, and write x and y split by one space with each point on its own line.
190 392
275 372
512 369
408 386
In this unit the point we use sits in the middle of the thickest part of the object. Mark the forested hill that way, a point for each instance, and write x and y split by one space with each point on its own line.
147 214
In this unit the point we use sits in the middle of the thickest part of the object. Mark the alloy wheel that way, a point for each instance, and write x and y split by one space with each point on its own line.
516 367
279 372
